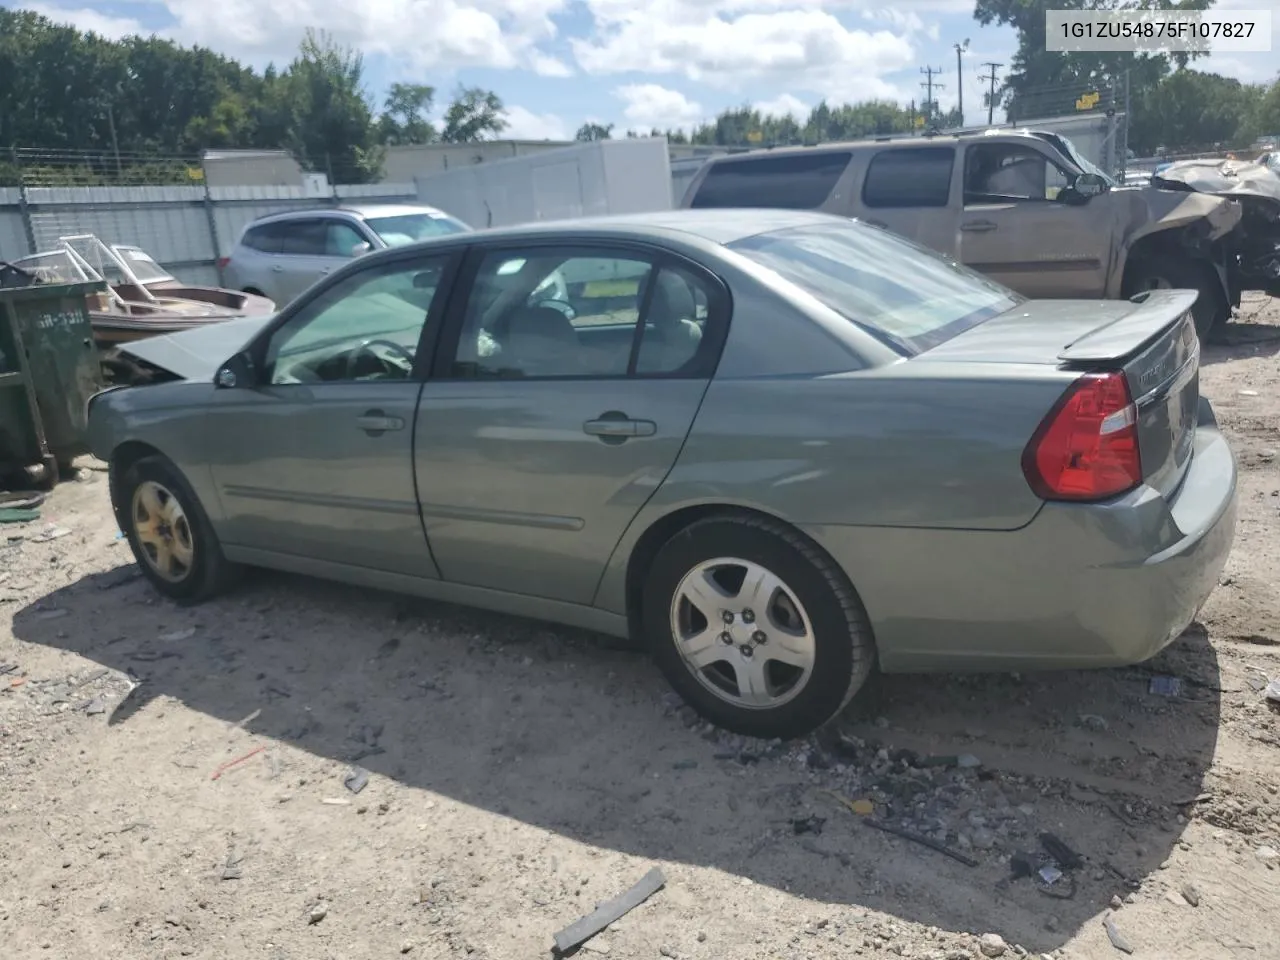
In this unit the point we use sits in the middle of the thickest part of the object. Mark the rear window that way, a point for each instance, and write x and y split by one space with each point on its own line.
792 181
909 177
903 293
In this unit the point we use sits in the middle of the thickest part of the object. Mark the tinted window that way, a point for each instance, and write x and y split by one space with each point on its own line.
365 328
909 296
304 238
909 177
266 237
794 181
554 313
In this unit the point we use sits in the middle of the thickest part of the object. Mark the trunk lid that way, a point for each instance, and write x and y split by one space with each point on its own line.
1151 338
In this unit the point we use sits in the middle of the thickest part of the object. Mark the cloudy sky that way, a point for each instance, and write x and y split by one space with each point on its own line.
633 63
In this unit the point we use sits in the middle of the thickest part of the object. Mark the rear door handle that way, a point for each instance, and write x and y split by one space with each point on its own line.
376 422
978 226
614 425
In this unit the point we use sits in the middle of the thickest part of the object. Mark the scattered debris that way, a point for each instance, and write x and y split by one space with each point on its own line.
1093 721
1165 686
608 912
1266 854
17 515
318 912
1067 858
96 674
1050 874
406 946
173 636
336 801
231 868
1272 691
967 761
119 577
862 808
924 841
357 779
240 724
807 824
1117 939
55 613
7 668
96 706
1190 894
223 768
51 532
17 682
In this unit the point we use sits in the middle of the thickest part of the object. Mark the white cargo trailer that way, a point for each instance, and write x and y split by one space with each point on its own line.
585 180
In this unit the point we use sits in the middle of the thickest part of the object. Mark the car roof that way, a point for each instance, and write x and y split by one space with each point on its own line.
854 146
717 226
362 210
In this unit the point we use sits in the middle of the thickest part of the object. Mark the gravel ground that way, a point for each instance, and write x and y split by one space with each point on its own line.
520 774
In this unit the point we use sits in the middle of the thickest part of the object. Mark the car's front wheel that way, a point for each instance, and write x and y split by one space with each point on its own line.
1210 310
169 532
757 629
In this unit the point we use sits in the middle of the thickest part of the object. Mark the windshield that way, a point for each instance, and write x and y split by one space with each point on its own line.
411 227
901 292
142 265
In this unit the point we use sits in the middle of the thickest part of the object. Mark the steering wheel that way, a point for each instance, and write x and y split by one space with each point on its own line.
560 305
393 372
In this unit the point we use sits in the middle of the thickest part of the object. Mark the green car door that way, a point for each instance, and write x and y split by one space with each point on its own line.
314 459
566 383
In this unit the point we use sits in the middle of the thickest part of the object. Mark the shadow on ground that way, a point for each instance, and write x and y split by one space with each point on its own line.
557 730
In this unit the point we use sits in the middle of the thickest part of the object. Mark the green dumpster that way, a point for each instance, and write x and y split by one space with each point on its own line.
49 368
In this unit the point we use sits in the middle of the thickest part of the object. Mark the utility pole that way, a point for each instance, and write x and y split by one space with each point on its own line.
929 83
991 99
960 49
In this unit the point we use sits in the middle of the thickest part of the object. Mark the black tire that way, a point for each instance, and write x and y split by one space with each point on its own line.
1211 309
209 572
255 291
844 649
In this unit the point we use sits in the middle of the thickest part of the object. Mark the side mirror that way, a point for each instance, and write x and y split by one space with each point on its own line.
1089 185
236 372
361 248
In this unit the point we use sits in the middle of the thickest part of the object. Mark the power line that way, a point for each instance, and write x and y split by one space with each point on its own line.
991 99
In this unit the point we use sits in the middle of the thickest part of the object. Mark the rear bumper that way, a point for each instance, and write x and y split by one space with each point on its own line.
1081 585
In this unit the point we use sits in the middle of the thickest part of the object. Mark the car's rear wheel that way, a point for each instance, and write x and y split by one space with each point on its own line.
1211 309
169 532
755 627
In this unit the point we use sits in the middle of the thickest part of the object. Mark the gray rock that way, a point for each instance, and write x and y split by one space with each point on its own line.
992 945
983 839
1267 854
318 912
968 761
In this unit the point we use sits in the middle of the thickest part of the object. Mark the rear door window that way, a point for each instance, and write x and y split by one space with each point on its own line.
909 177
265 238
304 238
791 181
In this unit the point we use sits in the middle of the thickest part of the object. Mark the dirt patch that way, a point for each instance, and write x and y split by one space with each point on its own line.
173 782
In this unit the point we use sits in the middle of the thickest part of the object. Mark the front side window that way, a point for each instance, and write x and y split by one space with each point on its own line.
897 290
557 313
1002 172
365 328
397 231
341 239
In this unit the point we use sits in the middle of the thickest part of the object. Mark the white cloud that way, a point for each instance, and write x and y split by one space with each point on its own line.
428 34
649 105
784 105
523 124
113 28
803 47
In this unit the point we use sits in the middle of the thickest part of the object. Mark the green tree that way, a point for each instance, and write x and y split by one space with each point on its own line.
1043 82
404 117
593 131
474 114
1189 110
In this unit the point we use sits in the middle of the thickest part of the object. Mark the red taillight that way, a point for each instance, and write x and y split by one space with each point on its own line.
222 262
1087 448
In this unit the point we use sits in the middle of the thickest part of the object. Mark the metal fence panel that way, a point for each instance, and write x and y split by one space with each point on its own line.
184 228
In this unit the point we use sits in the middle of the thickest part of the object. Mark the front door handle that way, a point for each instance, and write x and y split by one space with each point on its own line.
616 427
978 226
277 268
375 423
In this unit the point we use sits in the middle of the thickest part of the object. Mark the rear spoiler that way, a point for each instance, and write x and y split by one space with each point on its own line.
1154 312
